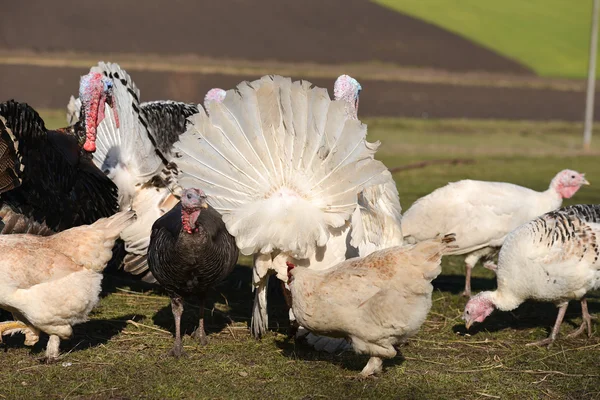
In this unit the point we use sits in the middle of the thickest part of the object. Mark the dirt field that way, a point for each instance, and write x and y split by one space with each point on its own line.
51 88
333 31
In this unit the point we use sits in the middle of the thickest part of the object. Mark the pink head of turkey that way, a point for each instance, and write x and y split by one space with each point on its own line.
478 308
567 182
214 95
347 89
193 201
95 90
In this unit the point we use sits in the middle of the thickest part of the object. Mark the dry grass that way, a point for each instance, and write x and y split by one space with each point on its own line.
120 352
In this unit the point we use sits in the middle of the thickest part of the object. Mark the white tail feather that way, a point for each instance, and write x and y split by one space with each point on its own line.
281 162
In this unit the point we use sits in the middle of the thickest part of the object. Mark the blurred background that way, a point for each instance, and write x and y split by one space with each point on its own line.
414 58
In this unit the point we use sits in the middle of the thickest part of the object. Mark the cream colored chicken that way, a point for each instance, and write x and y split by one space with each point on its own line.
50 283
376 302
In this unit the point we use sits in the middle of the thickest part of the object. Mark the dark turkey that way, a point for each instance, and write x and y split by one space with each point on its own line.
190 251
47 183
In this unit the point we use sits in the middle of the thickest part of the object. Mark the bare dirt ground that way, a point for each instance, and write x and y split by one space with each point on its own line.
51 88
180 49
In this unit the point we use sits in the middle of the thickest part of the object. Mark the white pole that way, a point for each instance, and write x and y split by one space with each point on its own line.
591 83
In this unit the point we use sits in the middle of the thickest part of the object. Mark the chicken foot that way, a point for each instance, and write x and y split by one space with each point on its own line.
374 366
550 339
199 334
177 307
586 323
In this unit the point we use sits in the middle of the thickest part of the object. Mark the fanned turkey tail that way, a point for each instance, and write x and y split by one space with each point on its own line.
283 164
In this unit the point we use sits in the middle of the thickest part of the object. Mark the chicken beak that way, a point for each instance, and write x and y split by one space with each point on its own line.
468 324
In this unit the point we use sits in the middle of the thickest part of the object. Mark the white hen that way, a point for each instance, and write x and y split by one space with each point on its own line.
50 283
283 164
553 258
483 213
377 302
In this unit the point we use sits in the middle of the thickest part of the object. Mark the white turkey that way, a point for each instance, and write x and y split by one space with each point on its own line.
283 164
133 146
553 258
483 213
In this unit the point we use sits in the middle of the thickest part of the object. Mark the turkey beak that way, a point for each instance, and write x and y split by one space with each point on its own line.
585 182
204 204
468 324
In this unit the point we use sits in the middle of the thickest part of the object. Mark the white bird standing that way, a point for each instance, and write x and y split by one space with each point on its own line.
483 213
553 258
284 165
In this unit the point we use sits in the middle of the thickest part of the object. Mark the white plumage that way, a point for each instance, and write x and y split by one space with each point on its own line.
284 165
483 213
553 258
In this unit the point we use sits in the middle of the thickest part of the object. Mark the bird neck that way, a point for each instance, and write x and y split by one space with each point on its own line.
189 219
502 300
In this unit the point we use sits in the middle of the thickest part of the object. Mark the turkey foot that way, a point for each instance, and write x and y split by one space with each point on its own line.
490 265
587 321
177 307
549 340
199 333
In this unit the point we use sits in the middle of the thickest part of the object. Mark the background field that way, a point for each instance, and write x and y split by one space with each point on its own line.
549 36
120 353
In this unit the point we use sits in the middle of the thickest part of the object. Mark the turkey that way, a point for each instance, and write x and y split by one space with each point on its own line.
376 302
283 164
50 283
483 213
47 183
553 258
133 148
190 251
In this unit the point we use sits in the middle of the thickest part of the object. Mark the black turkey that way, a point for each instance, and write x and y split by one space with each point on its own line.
47 181
190 251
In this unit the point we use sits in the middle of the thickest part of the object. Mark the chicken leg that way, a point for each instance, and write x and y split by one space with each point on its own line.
586 323
52 349
559 319
177 307
199 334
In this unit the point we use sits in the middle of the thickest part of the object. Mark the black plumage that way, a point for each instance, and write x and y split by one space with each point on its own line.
188 264
46 182
167 120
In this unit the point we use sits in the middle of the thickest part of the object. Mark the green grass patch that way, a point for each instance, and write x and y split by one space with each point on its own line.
120 352
549 36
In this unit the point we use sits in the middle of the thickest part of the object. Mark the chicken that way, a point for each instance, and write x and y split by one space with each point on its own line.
50 283
190 251
553 258
483 213
376 302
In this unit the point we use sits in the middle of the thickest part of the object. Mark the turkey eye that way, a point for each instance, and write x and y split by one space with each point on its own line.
467 312
572 176
189 196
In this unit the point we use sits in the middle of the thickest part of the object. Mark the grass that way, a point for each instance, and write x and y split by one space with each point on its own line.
120 352
549 36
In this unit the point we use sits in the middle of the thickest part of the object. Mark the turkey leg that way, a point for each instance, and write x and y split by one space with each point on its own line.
559 319
586 323
52 349
177 307
199 333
